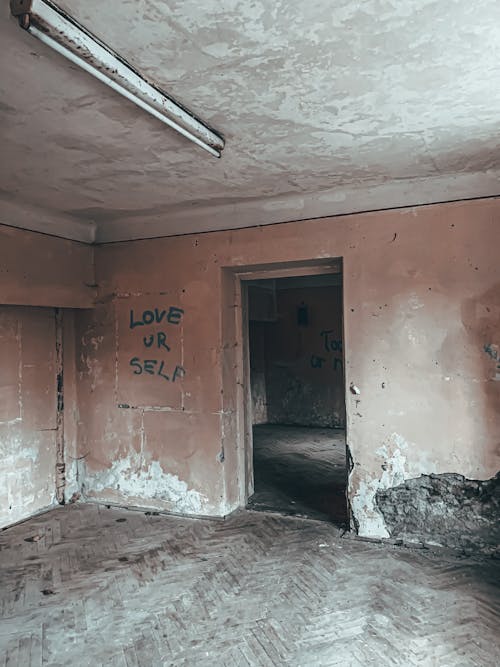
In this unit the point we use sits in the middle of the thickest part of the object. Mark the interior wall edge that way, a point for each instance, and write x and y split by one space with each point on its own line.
42 270
284 209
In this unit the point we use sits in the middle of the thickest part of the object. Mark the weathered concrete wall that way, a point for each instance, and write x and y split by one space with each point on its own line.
261 313
150 435
72 464
446 509
28 401
257 345
304 366
422 314
41 270
29 425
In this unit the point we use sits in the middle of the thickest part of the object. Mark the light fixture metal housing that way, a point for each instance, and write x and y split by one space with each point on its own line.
51 25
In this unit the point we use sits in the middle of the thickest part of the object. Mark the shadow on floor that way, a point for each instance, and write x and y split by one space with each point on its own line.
300 471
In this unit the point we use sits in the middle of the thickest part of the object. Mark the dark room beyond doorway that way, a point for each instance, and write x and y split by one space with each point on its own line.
298 396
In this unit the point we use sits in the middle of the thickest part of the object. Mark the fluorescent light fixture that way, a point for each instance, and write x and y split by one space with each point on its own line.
51 25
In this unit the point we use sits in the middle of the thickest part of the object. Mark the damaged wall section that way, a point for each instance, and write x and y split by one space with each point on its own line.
421 321
149 427
445 509
28 412
37 274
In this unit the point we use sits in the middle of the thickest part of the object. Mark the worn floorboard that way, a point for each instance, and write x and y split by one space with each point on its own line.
115 587
300 470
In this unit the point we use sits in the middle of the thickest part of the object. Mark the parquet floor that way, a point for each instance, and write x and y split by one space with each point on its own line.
87 585
301 471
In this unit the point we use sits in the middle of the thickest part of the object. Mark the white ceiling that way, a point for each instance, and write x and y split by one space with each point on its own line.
326 107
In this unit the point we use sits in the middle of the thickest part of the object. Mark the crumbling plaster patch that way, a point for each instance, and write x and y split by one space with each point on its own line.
22 491
73 481
445 509
395 470
128 480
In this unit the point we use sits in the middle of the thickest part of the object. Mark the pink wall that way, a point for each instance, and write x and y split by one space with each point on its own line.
155 385
422 311
28 411
41 270
37 270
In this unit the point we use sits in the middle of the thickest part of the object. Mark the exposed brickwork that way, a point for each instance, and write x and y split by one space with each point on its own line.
448 509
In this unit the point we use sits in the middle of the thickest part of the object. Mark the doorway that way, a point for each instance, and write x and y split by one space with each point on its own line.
297 396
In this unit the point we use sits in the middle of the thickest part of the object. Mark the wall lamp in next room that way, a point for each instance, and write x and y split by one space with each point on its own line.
51 25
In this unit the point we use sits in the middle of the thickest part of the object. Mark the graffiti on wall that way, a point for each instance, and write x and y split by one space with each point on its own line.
493 352
330 345
156 343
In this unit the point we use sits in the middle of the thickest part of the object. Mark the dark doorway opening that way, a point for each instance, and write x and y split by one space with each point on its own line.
298 396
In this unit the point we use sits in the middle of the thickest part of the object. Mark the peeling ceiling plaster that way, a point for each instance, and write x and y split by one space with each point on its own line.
326 108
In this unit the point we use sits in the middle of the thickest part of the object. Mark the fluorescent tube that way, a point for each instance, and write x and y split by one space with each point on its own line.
54 27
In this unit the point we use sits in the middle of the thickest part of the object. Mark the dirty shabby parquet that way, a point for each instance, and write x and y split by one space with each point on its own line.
301 471
116 587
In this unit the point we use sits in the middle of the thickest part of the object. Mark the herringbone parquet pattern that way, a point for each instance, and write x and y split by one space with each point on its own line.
301 471
114 587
